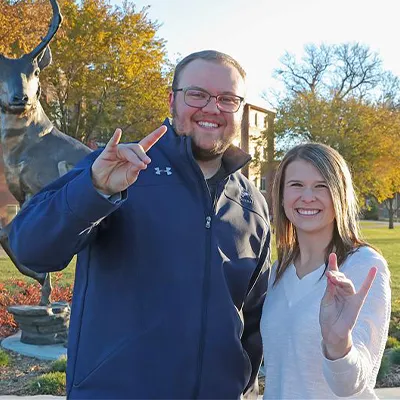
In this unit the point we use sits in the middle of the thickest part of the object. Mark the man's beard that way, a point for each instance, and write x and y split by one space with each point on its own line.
206 154
209 154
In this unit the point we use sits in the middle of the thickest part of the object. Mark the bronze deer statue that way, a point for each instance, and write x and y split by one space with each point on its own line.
35 153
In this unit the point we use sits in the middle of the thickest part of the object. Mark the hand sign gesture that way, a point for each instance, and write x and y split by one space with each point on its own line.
119 165
340 307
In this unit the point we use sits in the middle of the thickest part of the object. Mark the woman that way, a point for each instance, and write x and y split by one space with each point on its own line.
326 315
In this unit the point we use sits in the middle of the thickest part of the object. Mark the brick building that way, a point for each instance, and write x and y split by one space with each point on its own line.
258 122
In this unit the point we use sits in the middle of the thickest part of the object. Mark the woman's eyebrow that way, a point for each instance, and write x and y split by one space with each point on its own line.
299 181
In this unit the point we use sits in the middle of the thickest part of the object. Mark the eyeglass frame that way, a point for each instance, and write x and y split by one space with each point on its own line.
185 89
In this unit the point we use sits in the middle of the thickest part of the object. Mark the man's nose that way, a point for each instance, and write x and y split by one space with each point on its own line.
212 106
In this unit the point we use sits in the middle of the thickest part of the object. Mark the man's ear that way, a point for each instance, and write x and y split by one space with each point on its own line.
171 101
44 58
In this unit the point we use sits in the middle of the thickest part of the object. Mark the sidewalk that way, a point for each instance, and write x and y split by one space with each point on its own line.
388 393
46 397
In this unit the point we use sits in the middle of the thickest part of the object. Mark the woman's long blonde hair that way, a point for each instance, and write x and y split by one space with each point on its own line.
346 234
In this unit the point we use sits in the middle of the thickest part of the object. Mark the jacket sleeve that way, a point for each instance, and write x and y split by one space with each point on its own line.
350 375
59 221
252 308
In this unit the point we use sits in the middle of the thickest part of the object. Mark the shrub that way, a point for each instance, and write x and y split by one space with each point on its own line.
394 326
395 356
52 383
59 365
384 368
392 342
20 292
371 211
4 359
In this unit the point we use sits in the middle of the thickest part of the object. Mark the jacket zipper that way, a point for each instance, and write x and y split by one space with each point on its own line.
206 290
207 267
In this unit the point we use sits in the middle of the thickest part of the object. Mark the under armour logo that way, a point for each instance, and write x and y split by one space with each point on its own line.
167 170
246 197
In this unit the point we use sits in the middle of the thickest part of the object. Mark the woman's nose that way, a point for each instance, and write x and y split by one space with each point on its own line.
308 195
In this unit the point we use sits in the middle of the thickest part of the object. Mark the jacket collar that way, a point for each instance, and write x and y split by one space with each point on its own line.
234 158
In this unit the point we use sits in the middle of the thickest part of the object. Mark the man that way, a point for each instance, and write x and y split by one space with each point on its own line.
173 251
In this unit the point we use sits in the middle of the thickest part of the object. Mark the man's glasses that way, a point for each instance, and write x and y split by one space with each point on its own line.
199 98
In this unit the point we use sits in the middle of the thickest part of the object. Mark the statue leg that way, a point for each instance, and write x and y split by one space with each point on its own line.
45 299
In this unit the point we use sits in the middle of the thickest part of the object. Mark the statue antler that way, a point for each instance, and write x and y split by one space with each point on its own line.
53 28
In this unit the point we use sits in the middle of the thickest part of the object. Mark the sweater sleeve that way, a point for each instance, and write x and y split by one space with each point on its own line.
351 374
59 221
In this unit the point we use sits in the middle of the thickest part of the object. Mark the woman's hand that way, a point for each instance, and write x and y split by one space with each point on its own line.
340 308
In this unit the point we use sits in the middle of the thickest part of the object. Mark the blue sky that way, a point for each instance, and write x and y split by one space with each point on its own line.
258 32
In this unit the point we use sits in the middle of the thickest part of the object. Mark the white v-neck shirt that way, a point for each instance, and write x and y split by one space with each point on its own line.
295 367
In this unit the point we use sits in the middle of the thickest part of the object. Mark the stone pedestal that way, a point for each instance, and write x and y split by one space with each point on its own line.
41 325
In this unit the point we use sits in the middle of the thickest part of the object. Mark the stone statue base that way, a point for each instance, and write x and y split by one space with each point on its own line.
41 325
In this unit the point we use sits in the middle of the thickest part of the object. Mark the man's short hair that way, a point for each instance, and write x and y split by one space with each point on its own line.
207 55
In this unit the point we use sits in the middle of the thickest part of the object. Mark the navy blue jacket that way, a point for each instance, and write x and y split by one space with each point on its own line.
169 283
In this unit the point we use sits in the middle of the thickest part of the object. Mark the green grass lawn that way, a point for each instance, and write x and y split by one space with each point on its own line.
9 271
387 240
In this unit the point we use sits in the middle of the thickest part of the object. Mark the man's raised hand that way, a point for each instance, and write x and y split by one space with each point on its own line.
118 166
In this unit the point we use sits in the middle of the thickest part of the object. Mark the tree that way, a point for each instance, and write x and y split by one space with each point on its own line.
22 24
339 95
386 182
336 71
109 67
390 100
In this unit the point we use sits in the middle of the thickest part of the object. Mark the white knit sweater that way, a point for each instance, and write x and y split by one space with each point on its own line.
295 366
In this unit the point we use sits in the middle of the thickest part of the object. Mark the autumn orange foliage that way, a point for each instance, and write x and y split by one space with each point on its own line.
21 292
